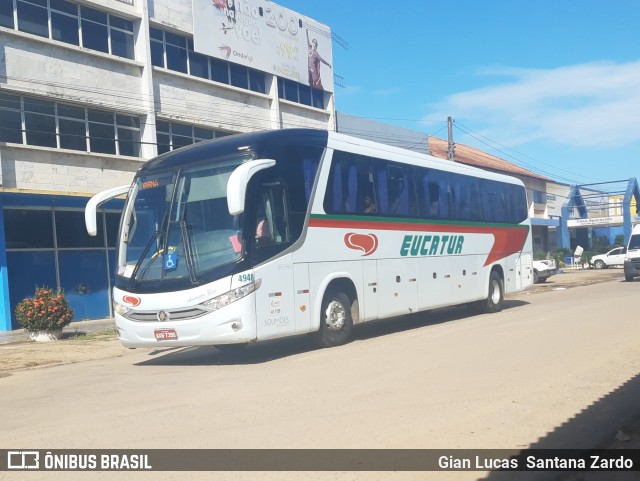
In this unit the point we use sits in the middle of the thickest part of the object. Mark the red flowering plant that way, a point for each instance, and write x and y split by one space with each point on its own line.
47 311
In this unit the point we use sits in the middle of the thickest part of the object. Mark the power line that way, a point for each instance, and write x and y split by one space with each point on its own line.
479 137
222 115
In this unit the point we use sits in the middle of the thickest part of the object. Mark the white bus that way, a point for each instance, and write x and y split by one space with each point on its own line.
271 234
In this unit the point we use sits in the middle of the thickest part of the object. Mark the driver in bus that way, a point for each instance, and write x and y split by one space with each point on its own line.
263 232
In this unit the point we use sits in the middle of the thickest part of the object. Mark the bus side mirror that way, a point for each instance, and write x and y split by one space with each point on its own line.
238 181
95 201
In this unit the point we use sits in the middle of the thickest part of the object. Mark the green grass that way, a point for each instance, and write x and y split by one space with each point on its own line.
102 335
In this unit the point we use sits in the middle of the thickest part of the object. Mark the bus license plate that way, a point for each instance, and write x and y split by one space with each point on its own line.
166 335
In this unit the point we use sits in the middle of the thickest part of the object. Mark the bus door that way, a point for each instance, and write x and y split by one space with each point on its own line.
275 299
513 280
524 271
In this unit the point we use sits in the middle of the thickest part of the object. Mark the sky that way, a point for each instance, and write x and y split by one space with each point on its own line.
550 85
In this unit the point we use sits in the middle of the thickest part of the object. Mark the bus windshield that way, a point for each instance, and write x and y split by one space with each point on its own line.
176 225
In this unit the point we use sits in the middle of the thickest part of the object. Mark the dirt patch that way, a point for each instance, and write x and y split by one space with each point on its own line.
71 348
570 278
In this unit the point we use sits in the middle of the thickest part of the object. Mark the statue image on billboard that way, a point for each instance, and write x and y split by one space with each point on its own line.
264 36
314 64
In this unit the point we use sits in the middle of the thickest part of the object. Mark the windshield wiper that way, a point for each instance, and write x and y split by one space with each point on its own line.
188 252
141 259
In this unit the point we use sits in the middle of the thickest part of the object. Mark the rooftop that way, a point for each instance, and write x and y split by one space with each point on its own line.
477 158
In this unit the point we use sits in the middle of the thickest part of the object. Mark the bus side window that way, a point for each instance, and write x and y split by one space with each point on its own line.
516 200
395 184
467 198
350 182
272 218
494 202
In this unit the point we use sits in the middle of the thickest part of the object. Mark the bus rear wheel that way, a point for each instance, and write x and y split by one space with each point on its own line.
336 320
495 297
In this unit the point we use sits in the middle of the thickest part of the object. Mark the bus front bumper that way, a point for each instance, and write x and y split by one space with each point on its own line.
232 324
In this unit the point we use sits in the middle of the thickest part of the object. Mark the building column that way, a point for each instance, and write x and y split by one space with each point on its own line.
5 301
148 148
274 110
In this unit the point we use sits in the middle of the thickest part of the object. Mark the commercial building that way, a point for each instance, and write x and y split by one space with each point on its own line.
91 89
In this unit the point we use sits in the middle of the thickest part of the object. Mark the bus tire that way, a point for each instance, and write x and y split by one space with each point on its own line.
495 297
335 320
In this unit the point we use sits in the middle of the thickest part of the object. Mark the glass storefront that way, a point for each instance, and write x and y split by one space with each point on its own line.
48 245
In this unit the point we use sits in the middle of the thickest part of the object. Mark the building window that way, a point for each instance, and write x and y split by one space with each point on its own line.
50 247
71 23
52 124
64 22
28 229
33 17
10 119
6 14
128 132
219 70
175 52
300 93
539 197
102 135
121 35
72 128
172 135
176 48
239 76
40 122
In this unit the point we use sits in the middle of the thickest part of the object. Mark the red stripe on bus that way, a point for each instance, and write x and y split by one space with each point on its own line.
507 240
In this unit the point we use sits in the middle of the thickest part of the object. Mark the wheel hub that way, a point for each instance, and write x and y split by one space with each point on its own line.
335 316
495 292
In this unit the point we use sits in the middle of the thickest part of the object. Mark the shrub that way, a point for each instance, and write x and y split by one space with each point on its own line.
46 311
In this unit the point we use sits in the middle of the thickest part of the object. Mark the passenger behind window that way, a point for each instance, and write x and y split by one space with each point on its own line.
369 205
396 205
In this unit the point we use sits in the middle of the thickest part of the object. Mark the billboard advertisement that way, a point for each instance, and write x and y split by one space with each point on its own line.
265 36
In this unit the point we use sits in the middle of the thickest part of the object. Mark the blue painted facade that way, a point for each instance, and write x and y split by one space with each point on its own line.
575 201
43 242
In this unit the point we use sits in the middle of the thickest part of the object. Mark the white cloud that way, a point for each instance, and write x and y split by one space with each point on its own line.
593 104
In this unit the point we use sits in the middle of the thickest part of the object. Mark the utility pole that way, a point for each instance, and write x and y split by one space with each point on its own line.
451 151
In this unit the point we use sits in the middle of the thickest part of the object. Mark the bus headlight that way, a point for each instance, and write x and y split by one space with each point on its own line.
120 309
228 297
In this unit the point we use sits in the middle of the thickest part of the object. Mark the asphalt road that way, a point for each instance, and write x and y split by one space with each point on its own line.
558 368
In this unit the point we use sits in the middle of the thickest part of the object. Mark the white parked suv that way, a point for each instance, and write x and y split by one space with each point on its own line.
613 258
632 258
544 269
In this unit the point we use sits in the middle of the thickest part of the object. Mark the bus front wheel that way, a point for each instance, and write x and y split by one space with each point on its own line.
336 320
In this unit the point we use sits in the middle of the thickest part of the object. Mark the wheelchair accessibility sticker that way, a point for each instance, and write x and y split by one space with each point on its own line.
170 261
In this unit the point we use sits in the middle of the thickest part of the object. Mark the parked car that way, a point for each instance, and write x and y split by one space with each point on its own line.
613 258
632 257
544 269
